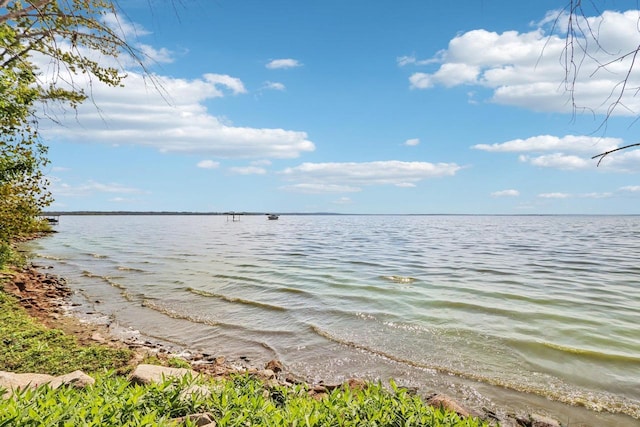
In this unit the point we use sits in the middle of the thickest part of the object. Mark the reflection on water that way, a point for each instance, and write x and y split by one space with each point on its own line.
544 305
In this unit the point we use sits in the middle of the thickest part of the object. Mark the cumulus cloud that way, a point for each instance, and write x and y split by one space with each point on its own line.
59 188
558 161
174 119
412 60
522 69
232 83
572 152
582 195
208 164
319 188
623 161
554 195
412 142
283 63
551 143
505 193
631 188
391 172
342 201
274 86
248 170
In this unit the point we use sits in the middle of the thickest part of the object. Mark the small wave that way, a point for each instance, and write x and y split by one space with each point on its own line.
235 300
604 402
591 354
175 315
108 279
295 254
294 291
236 278
124 268
51 257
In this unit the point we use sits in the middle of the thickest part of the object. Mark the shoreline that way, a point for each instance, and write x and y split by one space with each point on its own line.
47 298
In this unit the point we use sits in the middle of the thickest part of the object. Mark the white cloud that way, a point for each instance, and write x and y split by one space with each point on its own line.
412 60
573 152
174 120
559 161
391 172
505 193
208 164
283 63
523 69
123 27
622 161
596 195
412 142
227 81
152 55
405 185
421 81
274 86
582 196
342 201
263 162
59 188
320 188
631 188
554 195
248 170
551 143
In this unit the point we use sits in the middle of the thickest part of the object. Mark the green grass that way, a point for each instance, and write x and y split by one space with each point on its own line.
28 346
239 401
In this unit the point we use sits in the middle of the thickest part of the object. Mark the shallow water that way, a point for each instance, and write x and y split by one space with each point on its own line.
475 306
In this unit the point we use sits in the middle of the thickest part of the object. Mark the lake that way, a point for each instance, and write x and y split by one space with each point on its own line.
522 312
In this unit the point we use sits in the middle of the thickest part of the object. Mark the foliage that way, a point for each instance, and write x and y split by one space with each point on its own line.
77 38
239 401
30 347
22 194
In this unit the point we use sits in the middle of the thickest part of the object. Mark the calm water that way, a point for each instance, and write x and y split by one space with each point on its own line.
521 312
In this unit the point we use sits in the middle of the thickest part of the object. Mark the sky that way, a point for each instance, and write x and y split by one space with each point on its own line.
366 107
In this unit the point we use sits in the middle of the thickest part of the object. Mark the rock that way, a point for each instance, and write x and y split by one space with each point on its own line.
537 420
97 337
446 402
201 420
274 365
146 374
77 379
11 381
265 374
355 384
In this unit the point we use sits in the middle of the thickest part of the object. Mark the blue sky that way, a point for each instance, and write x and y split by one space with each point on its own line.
354 107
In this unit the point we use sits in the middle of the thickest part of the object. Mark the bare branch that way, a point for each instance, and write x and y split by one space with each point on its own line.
606 153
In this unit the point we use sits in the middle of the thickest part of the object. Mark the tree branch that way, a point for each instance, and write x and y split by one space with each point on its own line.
36 5
606 153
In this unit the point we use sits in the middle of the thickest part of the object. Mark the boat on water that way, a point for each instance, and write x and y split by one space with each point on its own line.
272 216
